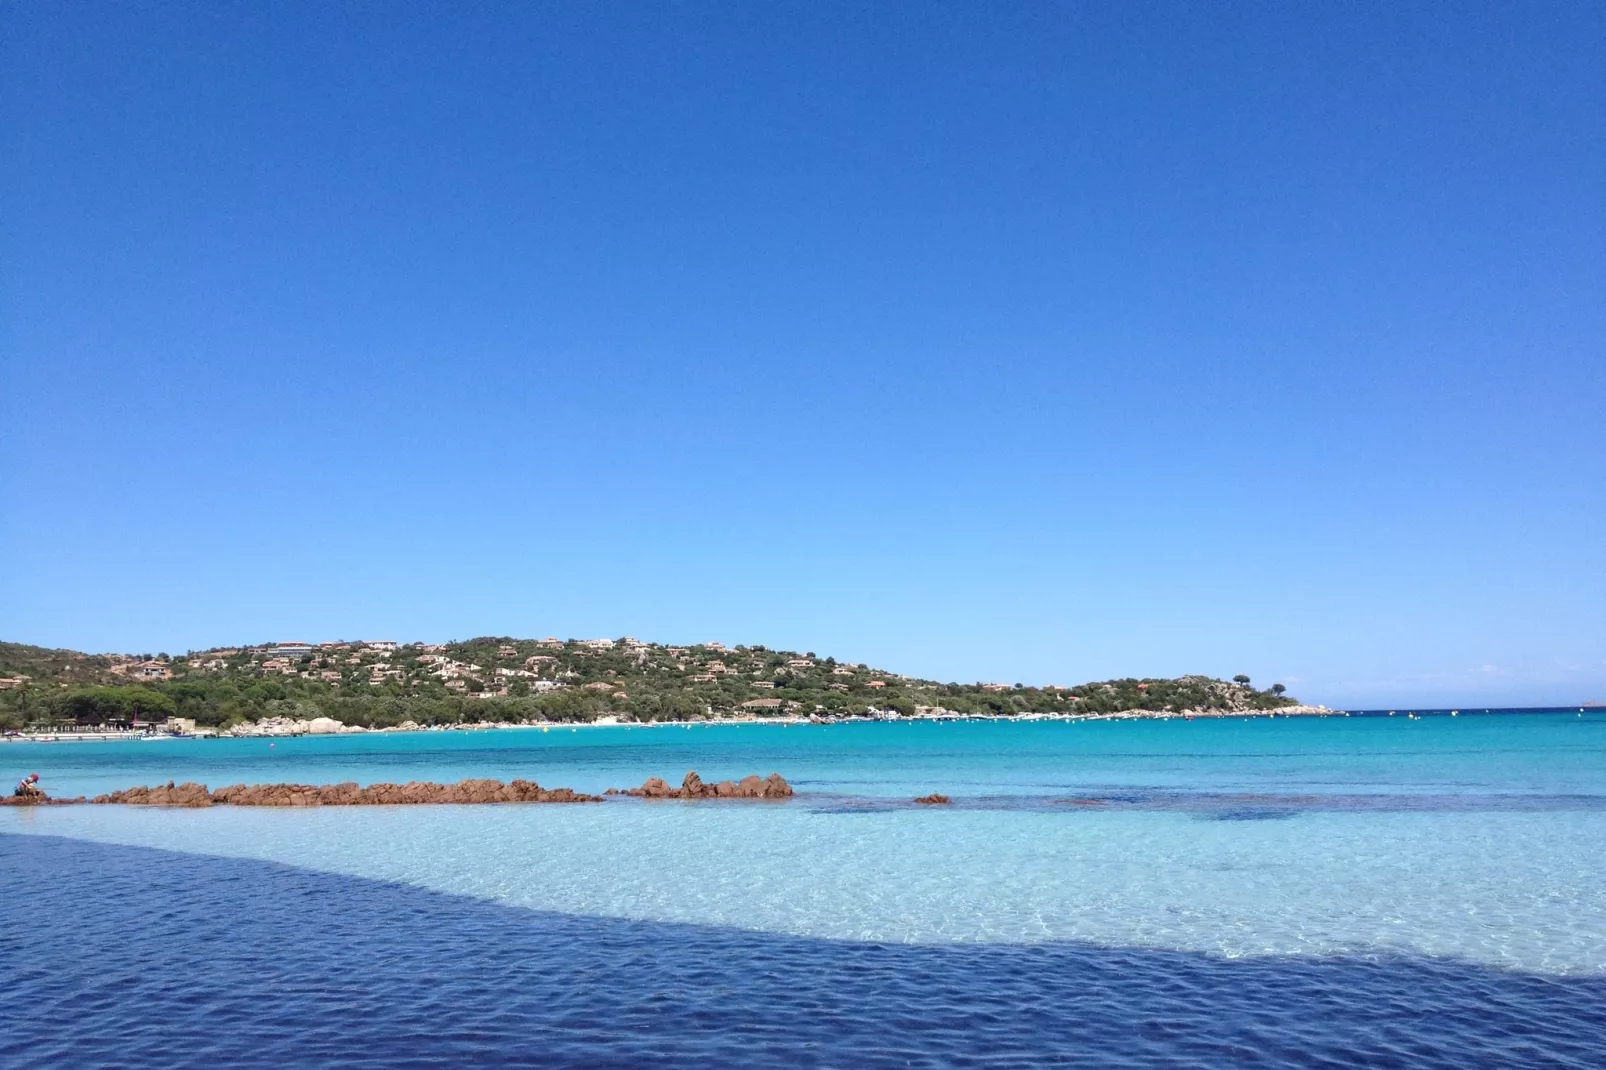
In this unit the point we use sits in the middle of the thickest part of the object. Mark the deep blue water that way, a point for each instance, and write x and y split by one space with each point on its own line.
128 956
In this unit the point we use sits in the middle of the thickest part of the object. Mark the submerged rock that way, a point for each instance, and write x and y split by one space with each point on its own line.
934 799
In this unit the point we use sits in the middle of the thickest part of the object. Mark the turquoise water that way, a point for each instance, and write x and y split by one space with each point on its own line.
1475 839
1537 754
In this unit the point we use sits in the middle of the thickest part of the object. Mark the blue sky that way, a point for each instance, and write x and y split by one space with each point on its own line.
1004 342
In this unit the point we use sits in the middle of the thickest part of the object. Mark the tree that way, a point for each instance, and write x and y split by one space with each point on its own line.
1278 689
96 705
1241 678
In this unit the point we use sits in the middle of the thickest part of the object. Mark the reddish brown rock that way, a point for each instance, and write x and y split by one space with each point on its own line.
188 794
934 799
421 793
693 787
39 799
414 793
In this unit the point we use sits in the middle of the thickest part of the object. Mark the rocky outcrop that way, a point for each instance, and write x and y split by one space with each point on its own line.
934 799
187 794
279 727
38 799
466 792
418 793
413 793
692 787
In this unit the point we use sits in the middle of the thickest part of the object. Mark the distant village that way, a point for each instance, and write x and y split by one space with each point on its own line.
381 682
514 668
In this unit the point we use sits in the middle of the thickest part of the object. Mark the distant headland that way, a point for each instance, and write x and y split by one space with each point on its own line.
293 687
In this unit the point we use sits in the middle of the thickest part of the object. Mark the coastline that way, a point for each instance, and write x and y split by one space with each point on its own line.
278 728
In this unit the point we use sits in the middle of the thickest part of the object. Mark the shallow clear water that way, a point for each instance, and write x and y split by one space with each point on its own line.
1557 753
1473 846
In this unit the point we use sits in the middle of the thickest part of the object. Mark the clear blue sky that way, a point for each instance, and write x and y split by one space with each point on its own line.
992 341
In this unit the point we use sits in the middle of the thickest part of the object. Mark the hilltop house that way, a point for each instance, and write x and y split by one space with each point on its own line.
290 650
454 669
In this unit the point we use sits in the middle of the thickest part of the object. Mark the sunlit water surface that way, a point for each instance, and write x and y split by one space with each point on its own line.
1478 841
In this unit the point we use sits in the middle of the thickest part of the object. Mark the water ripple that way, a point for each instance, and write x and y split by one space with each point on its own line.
200 961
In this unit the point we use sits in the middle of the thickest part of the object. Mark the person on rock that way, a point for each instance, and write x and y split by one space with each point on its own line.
28 786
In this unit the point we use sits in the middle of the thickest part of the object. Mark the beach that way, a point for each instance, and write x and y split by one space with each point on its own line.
278 728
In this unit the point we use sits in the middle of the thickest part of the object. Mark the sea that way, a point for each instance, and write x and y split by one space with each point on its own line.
1414 890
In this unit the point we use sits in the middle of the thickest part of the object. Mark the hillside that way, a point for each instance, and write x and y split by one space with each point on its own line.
378 684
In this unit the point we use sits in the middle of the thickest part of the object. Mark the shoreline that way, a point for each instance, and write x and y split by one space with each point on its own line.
297 729
290 730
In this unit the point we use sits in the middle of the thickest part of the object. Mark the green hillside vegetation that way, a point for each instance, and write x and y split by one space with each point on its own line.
505 679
